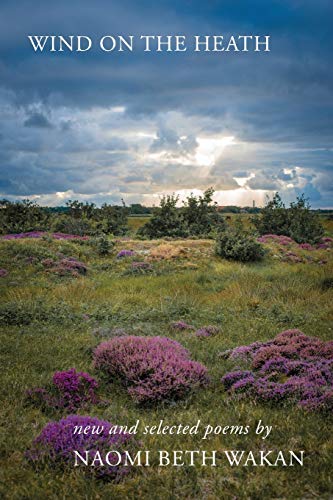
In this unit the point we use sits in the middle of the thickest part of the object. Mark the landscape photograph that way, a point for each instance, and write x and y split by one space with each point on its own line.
166 239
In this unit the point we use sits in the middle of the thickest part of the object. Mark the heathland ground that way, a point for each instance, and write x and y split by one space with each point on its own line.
51 322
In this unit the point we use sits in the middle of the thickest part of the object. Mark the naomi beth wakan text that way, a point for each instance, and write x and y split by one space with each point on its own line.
181 458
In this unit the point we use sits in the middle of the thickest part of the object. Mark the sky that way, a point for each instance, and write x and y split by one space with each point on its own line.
101 127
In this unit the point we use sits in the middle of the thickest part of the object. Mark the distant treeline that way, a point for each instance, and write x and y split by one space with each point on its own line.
133 209
198 217
138 209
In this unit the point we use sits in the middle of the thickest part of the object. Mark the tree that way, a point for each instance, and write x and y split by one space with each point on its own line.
22 216
297 221
87 218
304 225
200 215
273 218
197 217
167 220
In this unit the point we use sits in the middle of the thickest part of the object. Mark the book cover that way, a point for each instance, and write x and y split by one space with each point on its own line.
166 249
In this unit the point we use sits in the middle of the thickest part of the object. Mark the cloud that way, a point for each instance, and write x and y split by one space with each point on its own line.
171 144
287 175
266 180
102 126
37 120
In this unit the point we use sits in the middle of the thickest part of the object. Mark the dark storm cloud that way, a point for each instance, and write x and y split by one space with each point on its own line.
280 102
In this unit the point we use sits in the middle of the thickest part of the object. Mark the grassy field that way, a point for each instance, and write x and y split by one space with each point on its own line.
49 323
135 222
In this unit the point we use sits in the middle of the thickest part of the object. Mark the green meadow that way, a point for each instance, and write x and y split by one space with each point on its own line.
51 322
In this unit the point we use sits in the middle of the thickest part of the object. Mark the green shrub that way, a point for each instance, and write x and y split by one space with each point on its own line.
76 218
304 225
66 224
297 221
237 244
21 217
198 217
166 221
108 219
201 216
102 244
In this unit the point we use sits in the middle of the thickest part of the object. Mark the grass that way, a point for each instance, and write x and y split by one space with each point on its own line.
136 221
48 324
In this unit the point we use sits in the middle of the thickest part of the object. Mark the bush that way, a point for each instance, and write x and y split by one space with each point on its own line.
198 217
77 218
237 244
291 367
65 267
153 368
102 244
304 225
107 219
166 221
56 443
22 216
69 390
123 254
297 221
69 225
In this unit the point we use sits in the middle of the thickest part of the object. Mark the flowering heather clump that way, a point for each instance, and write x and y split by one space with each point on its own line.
291 367
125 253
292 257
207 331
152 368
244 351
41 234
3 273
325 243
181 325
289 251
281 239
232 377
140 268
64 236
56 444
66 266
306 246
69 390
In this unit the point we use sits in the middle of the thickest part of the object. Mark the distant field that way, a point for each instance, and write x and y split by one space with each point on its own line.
137 221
